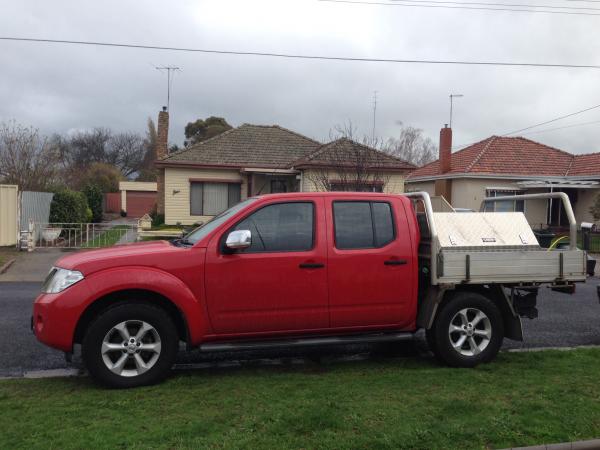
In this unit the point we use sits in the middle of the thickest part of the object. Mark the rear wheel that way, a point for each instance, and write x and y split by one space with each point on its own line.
130 345
468 330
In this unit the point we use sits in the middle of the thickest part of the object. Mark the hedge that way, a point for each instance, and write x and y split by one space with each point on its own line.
69 207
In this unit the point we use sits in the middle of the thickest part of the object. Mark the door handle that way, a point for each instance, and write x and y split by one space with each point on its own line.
395 262
311 265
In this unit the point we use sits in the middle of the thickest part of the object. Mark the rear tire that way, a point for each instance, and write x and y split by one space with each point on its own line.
467 331
130 345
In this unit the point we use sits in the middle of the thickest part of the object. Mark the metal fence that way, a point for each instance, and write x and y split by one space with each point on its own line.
35 206
80 235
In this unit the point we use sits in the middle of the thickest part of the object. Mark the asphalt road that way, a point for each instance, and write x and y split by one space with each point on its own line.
564 321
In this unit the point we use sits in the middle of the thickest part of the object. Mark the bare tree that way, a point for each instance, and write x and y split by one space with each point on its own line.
348 165
26 158
412 146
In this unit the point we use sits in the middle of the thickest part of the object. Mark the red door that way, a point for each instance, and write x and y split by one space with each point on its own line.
371 267
139 203
278 284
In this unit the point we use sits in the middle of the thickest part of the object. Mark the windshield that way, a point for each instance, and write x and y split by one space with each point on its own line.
209 226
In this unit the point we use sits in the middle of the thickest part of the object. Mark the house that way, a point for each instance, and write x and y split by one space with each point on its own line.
204 179
511 165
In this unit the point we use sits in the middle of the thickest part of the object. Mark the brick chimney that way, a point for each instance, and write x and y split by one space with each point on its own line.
444 187
162 139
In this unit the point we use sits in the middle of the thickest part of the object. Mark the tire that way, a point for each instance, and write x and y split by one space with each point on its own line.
477 330
130 345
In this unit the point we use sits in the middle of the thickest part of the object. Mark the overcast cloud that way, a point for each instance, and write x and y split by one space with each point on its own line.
60 88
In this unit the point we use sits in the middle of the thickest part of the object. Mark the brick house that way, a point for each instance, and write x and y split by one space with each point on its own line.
200 181
511 165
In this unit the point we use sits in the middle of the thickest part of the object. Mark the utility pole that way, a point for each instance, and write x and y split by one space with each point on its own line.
453 96
374 116
168 69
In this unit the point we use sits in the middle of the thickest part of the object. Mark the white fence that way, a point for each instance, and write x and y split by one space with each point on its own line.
79 235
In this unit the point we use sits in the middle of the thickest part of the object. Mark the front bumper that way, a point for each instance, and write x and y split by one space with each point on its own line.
55 316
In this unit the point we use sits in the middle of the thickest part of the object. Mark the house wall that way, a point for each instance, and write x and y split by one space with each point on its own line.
394 181
177 205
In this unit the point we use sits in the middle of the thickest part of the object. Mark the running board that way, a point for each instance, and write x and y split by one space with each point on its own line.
306 342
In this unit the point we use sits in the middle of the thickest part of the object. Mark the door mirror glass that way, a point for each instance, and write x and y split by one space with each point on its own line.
239 239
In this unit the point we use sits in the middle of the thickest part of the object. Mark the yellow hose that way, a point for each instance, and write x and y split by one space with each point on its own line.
556 241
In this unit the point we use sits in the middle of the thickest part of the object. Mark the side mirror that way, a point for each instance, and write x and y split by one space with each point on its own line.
239 239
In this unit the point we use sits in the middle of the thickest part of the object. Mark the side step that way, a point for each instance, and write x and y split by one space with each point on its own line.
306 342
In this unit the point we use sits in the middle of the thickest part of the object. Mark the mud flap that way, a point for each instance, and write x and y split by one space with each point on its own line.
513 329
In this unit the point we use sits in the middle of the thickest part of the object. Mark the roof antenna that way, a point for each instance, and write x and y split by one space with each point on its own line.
168 69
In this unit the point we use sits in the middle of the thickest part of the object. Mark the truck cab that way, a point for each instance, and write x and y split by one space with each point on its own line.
277 270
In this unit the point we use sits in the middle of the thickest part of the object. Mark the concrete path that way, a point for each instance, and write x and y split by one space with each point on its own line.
32 266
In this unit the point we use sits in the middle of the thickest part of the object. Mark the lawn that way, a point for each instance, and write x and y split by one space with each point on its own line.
107 238
521 399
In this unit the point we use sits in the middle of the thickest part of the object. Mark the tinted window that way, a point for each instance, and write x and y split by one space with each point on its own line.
382 223
362 224
283 227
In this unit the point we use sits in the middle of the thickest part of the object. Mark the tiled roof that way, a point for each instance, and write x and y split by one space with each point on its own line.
248 146
515 156
345 151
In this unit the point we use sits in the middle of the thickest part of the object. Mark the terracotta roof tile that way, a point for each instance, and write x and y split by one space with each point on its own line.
515 156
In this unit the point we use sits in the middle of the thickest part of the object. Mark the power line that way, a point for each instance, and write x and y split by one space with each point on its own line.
516 5
552 120
461 146
478 8
566 126
309 57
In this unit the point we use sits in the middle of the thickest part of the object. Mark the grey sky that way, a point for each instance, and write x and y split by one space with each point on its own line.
58 88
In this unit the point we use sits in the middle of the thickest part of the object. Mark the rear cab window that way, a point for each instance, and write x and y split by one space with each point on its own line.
362 224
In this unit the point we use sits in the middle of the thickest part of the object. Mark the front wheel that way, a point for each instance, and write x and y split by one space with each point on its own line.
130 345
467 331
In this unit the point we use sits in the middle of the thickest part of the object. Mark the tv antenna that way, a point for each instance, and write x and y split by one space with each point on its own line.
170 75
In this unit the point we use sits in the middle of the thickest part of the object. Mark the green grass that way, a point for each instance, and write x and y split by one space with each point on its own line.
168 227
107 238
521 399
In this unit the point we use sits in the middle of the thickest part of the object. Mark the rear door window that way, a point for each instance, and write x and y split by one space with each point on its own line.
362 224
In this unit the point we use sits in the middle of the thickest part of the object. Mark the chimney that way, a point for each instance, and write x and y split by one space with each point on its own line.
162 139
443 187
162 132
445 149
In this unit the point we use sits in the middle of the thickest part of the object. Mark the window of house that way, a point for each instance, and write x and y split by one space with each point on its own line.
210 199
504 205
278 186
366 187
281 227
362 224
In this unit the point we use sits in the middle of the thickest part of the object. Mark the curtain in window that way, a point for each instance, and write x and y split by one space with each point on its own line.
216 198
196 195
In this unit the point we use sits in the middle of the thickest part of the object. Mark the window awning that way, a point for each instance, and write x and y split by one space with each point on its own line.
561 184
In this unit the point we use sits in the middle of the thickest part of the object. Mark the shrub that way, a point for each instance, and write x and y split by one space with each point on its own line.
157 219
123 213
68 207
93 194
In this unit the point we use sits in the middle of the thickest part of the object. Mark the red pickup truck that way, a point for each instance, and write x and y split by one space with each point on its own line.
286 270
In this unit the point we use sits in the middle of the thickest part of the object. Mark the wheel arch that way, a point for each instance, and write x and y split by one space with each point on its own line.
495 292
119 297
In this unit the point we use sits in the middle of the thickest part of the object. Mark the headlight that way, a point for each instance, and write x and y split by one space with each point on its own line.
59 279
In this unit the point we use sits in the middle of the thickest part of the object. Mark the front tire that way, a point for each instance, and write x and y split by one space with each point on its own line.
468 330
130 345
